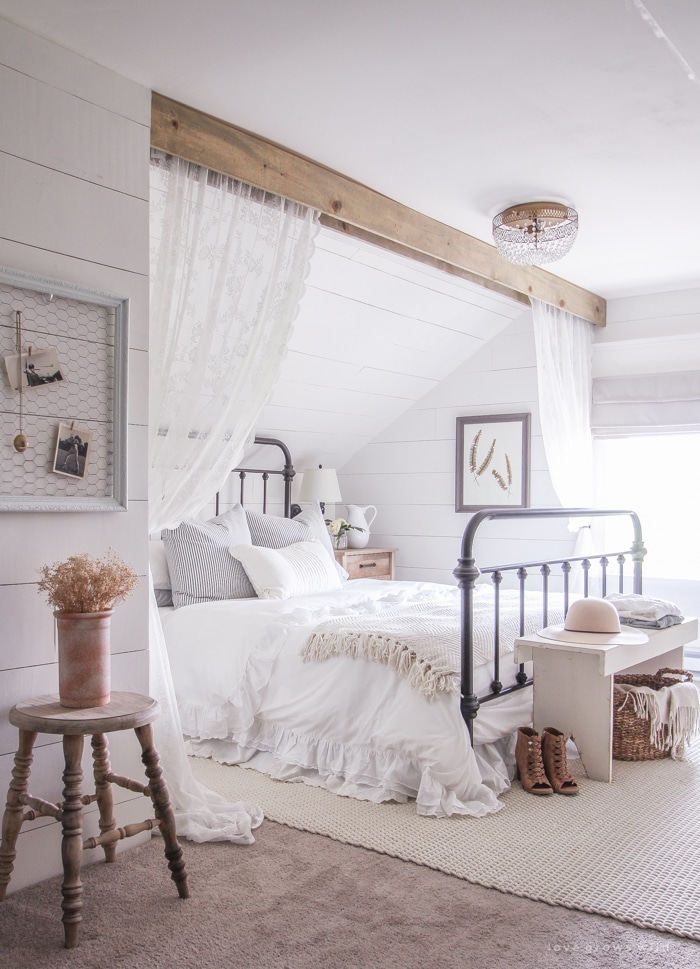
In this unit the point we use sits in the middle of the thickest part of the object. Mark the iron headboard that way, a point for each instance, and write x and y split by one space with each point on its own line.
286 473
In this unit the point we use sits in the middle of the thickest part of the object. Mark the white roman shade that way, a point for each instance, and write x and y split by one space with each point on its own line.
658 403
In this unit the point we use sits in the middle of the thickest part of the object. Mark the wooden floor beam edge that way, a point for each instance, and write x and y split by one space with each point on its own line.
351 207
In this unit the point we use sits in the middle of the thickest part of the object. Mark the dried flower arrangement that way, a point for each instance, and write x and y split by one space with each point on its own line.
86 584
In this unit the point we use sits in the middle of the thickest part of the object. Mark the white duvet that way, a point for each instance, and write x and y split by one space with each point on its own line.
246 696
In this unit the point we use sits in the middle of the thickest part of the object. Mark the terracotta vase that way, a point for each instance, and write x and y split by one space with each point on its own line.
84 658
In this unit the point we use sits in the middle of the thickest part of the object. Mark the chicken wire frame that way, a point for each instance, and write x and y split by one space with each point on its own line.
115 497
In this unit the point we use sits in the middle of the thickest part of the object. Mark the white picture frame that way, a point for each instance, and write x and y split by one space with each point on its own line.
29 481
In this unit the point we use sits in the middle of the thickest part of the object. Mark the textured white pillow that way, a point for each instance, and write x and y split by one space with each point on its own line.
297 570
159 570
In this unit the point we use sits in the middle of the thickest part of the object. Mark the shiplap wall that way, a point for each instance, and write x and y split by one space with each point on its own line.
408 471
74 146
375 332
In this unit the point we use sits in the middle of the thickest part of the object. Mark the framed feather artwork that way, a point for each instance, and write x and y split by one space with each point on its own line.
493 462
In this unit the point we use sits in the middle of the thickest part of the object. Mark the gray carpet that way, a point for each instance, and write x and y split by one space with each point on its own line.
295 900
629 849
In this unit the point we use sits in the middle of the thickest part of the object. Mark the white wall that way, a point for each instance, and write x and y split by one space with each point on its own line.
657 333
375 332
408 471
74 146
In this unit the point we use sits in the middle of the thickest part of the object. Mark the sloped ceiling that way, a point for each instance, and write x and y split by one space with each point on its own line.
375 332
455 108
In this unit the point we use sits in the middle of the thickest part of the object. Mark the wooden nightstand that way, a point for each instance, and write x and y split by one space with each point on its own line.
367 563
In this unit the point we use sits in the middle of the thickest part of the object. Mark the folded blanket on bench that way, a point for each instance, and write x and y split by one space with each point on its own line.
645 611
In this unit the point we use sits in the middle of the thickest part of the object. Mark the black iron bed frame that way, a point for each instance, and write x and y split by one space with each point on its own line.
467 573
286 473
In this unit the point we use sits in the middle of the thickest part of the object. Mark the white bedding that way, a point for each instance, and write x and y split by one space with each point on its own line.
246 696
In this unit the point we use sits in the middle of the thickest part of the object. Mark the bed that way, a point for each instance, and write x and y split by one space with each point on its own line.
265 677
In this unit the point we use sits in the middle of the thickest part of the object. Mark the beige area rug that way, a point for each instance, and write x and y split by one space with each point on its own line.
629 850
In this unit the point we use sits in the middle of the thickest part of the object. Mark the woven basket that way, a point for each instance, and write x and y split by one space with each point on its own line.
631 734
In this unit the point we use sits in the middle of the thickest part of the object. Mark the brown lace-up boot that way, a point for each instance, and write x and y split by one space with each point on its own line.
554 757
528 758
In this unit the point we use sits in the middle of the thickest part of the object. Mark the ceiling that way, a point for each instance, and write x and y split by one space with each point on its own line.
455 108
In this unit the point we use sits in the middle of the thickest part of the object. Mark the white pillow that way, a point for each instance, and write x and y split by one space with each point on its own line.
297 570
159 570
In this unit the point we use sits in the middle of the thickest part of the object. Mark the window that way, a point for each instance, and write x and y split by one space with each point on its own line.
657 476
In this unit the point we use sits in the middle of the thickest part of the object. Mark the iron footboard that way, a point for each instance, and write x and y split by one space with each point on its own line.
467 574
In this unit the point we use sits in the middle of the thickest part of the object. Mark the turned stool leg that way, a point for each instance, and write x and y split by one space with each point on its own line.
14 811
163 810
72 844
103 790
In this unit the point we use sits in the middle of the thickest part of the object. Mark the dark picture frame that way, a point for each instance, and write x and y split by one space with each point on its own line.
492 462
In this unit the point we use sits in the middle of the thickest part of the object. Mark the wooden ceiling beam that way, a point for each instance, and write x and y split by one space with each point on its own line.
355 209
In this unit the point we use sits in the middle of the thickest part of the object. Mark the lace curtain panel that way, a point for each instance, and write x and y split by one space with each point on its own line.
228 264
564 348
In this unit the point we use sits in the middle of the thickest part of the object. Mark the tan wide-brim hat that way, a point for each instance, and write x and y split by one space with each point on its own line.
593 622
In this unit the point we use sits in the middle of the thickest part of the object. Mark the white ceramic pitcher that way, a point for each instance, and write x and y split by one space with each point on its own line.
361 516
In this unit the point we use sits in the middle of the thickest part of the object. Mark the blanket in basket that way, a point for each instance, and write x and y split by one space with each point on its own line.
673 713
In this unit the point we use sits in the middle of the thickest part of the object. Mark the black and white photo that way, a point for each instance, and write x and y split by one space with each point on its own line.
33 369
72 447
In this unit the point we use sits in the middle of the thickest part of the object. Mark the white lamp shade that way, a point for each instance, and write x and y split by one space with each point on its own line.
320 484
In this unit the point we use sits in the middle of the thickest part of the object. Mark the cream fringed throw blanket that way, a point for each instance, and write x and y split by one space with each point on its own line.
673 713
419 640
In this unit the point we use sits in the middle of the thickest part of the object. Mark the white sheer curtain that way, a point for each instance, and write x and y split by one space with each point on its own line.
564 347
228 264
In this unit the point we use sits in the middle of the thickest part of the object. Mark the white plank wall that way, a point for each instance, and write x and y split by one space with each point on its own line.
658 333
408 471
375 332
74 147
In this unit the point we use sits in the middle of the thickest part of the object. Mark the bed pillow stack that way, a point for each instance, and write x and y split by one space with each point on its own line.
200 565
296 570
271 531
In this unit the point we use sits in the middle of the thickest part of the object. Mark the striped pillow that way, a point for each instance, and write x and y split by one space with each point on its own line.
201 569
270 531
300 569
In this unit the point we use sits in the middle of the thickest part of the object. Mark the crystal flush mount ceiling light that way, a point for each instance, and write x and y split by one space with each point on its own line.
535 233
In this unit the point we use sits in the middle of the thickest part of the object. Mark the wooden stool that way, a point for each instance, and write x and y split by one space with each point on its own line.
44 714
